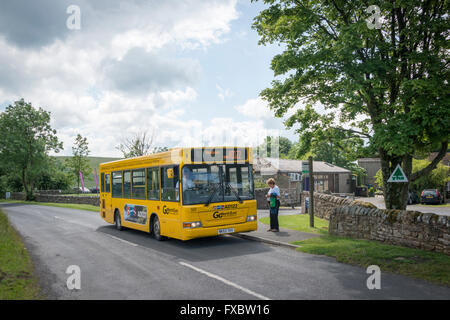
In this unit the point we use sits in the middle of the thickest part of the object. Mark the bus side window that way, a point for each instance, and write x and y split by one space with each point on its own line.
127 184
153 183
169 185
117 184
107 183
102 182
138 183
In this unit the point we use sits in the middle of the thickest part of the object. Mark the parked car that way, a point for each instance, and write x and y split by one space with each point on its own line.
413 198
95 190
80 190
431 196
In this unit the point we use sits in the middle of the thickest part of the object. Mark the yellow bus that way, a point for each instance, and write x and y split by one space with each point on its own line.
183 193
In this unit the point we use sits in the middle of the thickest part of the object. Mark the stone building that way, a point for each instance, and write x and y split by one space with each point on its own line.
288 176
372 165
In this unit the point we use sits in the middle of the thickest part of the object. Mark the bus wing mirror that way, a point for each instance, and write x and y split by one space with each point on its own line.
170 173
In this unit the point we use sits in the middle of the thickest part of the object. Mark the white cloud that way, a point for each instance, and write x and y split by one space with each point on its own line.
223 93
255 108
94 84
90 80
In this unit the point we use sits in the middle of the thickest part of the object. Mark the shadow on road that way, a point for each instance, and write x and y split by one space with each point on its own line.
12 204
201 249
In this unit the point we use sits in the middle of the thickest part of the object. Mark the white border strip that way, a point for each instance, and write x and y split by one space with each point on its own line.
124 241
211 275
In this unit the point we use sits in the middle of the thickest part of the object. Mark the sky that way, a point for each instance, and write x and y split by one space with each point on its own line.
187 71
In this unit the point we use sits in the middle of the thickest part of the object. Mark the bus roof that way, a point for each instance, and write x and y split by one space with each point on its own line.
172 156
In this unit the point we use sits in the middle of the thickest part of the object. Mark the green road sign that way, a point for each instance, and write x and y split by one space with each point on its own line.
305 167
398 175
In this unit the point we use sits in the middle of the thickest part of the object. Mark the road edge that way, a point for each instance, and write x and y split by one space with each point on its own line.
265 240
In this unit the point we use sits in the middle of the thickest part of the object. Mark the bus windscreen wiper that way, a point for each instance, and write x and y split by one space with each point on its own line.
234 192
212 194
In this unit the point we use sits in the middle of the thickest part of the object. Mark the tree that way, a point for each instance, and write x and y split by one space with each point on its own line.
282 143
386 83
140 144
56 177
436 179
79 161
25 142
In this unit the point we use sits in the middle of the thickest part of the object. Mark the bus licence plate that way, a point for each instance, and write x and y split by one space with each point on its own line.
228 230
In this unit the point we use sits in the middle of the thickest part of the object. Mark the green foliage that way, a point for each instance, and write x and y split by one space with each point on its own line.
283 145
94 162
26 139
387 87
379 179
421 264
300 222
260 183
17 280
434 180
55 178
79 162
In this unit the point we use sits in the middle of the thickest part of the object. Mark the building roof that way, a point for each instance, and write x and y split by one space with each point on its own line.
369 160
274 165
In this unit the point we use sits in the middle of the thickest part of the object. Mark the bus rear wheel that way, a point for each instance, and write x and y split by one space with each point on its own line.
117 221
157 229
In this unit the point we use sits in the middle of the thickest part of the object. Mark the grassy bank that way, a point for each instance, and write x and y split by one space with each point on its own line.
416 263
60 205
444 205
16 270
300 222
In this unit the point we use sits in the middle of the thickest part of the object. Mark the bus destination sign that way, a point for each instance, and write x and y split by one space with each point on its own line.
219 155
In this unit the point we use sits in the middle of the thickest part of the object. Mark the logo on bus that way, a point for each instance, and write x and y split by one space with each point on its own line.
228 206
219 215
169 210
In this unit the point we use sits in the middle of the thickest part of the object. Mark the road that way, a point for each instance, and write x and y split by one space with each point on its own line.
131 265
379 202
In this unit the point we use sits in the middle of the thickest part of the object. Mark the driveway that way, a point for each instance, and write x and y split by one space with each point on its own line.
379 202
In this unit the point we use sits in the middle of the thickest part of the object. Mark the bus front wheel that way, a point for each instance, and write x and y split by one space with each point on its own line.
157 229
117 221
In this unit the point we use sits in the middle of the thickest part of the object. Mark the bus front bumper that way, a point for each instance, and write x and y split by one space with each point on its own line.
188 234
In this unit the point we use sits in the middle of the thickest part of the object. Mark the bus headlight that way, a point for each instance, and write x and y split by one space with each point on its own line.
251 218
190 225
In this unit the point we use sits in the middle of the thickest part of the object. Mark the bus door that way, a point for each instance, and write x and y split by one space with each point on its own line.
170 199
106 201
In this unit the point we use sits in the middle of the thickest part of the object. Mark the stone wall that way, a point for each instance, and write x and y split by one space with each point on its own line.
324 204
17 196
406 228
289 197
260 196
92 200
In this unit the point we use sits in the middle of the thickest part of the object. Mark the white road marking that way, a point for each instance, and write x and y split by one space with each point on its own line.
232 284
124 241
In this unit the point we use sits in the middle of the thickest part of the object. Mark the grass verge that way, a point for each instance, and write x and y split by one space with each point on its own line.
300 222
17 281
60 205
416 263
431 266
444 205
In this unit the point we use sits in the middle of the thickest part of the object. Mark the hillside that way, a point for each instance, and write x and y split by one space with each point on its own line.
94 162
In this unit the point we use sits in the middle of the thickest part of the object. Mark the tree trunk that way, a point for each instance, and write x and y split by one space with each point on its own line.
28 191
395 193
